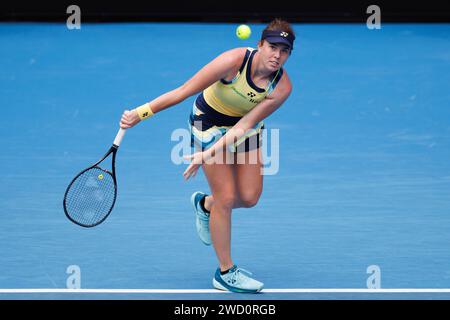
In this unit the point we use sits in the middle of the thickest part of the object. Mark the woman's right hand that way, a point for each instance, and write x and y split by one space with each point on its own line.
196 161
129 119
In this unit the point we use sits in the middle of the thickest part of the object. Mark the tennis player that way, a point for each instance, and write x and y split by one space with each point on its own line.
236 91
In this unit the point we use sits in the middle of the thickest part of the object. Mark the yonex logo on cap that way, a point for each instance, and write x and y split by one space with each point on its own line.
279 36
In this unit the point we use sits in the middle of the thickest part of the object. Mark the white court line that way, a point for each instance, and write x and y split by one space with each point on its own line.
188 291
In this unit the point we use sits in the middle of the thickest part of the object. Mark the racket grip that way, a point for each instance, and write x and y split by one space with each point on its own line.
119 137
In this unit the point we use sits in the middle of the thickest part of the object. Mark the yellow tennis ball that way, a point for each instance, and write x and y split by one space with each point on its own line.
100 176
243 32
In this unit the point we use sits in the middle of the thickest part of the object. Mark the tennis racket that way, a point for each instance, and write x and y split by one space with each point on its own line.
90 197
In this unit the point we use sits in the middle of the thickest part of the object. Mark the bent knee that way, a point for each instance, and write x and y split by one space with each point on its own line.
225 202
249 199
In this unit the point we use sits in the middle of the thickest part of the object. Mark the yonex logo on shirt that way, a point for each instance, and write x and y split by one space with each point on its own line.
251 94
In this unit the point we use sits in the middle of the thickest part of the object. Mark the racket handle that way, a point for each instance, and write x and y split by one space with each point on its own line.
119 137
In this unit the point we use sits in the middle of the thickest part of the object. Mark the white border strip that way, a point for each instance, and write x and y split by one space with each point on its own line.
189 291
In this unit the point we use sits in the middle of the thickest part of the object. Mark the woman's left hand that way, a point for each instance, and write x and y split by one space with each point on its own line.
196 161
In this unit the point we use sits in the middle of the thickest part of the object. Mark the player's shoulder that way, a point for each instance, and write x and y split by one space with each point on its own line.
284 86
239 50
285 78
233 56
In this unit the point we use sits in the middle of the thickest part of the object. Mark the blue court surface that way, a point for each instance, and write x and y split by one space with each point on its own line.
363 177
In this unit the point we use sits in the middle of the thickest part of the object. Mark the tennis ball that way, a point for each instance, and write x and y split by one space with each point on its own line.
100 176
243 31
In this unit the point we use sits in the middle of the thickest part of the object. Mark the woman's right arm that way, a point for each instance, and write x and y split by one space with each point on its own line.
210 73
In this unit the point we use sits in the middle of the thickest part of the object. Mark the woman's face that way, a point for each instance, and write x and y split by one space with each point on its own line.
273 55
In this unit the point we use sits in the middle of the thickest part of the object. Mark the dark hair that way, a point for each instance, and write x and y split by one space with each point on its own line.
279 25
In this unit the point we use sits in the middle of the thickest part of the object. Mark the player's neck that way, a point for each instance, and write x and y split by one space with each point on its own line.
258 71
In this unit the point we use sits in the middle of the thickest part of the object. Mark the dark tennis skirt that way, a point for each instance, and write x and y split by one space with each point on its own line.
207 126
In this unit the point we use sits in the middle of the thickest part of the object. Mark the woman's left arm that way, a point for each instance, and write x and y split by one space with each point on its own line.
261 111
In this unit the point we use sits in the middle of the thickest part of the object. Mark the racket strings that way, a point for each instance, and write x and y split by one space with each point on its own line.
91 197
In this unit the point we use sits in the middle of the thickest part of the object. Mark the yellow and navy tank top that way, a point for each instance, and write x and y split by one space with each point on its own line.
237 97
